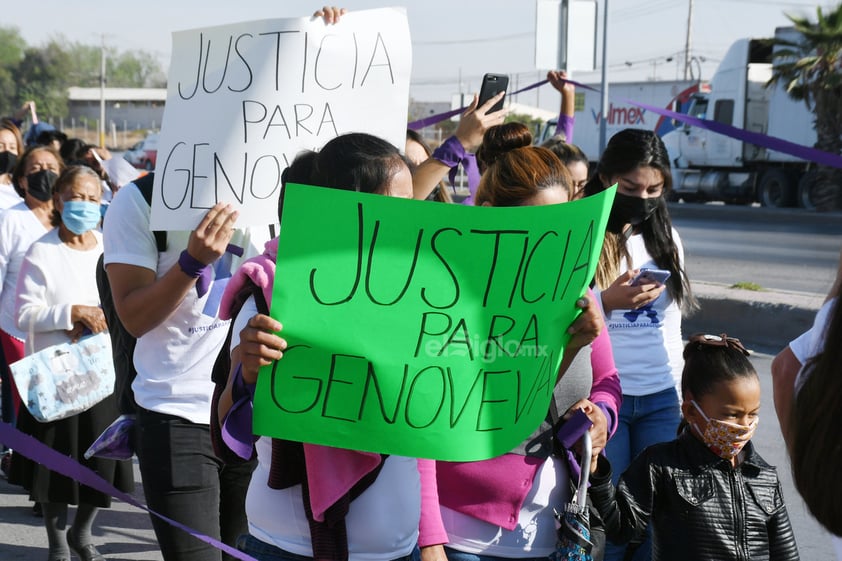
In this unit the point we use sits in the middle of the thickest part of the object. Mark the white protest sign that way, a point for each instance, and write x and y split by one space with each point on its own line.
244 99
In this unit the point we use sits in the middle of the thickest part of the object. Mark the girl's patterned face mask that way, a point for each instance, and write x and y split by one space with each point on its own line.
724 439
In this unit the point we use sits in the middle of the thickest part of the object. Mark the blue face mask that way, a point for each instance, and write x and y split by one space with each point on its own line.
80 216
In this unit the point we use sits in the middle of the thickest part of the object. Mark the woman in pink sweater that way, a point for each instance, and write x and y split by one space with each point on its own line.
504 507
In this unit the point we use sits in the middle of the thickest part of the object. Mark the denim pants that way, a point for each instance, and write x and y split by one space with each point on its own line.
456 555
183 479
263 551
644 420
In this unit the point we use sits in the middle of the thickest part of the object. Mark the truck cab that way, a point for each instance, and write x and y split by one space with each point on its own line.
711 166
708 165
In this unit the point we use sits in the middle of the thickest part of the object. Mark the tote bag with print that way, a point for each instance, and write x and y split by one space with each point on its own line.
66 379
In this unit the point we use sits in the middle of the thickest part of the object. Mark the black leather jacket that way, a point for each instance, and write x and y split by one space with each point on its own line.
700 506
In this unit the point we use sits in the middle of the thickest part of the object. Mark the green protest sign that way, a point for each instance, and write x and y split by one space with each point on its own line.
418 328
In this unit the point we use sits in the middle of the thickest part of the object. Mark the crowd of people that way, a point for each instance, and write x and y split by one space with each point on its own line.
674 474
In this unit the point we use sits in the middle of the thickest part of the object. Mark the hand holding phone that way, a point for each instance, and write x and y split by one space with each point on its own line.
651 276
492 84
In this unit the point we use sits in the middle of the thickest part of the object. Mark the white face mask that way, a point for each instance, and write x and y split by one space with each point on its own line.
724 439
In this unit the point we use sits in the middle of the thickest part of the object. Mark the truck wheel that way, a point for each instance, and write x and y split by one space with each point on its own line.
776 189
805 190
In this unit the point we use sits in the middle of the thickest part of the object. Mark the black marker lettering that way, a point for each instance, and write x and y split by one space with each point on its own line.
358 275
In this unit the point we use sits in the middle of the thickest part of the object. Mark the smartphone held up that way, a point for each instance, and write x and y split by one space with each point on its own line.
492 84
651 276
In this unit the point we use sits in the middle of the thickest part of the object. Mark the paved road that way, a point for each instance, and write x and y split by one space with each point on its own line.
778 249
767 320
123 533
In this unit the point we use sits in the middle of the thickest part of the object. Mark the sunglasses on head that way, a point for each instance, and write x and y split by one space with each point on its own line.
721 340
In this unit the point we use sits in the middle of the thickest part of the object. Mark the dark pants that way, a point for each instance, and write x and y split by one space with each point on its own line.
182 479
6 402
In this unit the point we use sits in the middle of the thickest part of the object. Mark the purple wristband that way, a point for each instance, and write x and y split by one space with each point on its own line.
191 266
450 152
610 416
240 389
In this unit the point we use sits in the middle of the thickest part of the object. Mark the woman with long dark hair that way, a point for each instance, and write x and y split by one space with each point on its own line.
643 318
808 396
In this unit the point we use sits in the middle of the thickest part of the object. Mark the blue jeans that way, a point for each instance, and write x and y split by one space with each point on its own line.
644 420
263 551
183 479
456 555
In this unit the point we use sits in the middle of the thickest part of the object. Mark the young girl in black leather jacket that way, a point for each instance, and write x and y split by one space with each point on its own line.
708 494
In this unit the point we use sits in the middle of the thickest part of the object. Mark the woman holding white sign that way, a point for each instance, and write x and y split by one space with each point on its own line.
58 302
503 508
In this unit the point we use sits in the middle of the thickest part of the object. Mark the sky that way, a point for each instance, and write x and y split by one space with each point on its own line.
454 42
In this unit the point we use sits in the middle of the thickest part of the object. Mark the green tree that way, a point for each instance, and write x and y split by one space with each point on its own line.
12 47
810 70
122 69
42 76
138 69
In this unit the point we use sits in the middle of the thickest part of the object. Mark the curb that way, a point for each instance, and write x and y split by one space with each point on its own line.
768 320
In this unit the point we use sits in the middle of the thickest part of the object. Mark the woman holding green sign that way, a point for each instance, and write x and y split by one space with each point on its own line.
307 501
503 508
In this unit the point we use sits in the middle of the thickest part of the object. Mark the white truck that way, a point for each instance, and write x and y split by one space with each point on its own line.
711 166
673 94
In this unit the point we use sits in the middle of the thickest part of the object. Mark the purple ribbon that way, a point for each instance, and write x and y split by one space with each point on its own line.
771 142
469 164
775 143
38 452
203 281
433 119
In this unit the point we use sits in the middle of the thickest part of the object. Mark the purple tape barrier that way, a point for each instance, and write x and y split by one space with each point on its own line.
38 452
771 142
433 119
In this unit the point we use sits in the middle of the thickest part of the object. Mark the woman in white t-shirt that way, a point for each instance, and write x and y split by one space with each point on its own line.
807 382
58 302
643 316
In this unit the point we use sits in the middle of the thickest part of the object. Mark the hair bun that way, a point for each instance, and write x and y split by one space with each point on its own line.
500 139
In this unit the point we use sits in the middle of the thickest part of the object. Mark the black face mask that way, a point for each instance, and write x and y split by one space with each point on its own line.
7 162
40 184
630 210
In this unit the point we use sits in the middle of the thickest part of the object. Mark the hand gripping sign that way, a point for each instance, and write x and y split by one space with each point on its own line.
422 329
244 99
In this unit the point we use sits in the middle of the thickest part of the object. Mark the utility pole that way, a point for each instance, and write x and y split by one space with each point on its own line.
102 95
687 41
603 131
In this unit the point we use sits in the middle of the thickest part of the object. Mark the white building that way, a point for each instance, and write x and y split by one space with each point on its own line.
126 108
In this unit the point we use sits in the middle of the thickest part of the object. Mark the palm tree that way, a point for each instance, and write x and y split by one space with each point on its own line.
810 69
